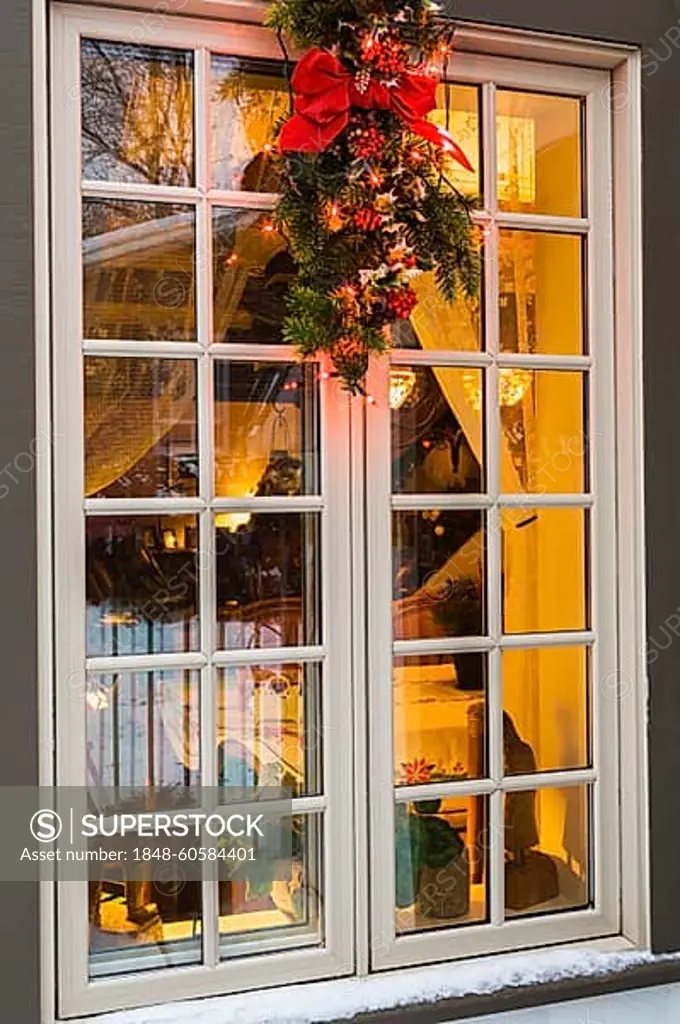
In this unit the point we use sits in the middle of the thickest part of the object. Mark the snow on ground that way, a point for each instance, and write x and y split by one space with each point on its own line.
342 999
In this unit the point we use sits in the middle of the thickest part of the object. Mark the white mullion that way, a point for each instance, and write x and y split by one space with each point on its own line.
145 663
242 200
443 790
255 353
268 656
495 865
527 500
550 780
263 506
140 192
441 645
542 222
438 357
531 361
416 502
141 349
142 506
578 638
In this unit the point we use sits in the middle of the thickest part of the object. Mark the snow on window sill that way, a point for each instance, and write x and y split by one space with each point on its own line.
342 999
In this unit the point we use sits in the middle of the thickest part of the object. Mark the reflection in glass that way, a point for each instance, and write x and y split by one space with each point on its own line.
538 143
267 586
140 428
441 854
541 293
544 441
138 270
439 714
266 429
544 569
438 573
458 110
141 584
437 431
283 897
252 273
134 923
269 727
248 99
547 850
137 113
143 729
545 701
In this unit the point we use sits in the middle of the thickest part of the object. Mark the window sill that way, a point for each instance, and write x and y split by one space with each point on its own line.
426 995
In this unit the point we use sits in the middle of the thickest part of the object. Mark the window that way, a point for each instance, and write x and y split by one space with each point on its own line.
260 579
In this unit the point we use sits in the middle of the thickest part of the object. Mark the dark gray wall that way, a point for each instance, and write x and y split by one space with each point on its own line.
655 25
19 963
645 22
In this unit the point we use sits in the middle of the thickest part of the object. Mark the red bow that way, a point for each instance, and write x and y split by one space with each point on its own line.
325 92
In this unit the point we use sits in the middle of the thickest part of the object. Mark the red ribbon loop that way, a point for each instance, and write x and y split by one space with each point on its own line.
325 93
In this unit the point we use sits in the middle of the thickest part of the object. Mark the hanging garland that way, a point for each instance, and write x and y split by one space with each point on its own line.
365 203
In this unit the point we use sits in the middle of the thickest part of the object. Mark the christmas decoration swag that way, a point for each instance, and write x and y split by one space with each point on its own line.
366 204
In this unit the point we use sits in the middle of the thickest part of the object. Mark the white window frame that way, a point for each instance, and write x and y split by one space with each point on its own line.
355 946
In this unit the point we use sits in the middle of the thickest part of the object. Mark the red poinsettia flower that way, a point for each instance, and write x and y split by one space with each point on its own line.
418 771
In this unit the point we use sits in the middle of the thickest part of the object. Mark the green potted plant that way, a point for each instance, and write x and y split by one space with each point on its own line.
432 869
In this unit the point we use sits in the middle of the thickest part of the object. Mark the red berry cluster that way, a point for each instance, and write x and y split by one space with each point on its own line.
401 302
367 219
366 143
388 56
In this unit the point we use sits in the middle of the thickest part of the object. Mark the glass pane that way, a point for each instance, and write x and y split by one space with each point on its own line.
269 727
283 898
544 432
140 428
458 111
143 729
544 569
252 272
547 850
441 856
437 430
248 99
141 925
137 113
267 579
439 715
538 142
546 709
439 325
266 429
541 293
142 585
138 270
438 574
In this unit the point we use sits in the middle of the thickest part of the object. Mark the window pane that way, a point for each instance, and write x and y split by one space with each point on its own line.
141 925
544 569
462 120
138 270
137 113
441 855
544 431
547 849
252 272
546 709
143 729
438 574
248 99
439 716
140 428
541 293
142 589
266 429
538 142
269 727
440 325
276 899
267 586
437 430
